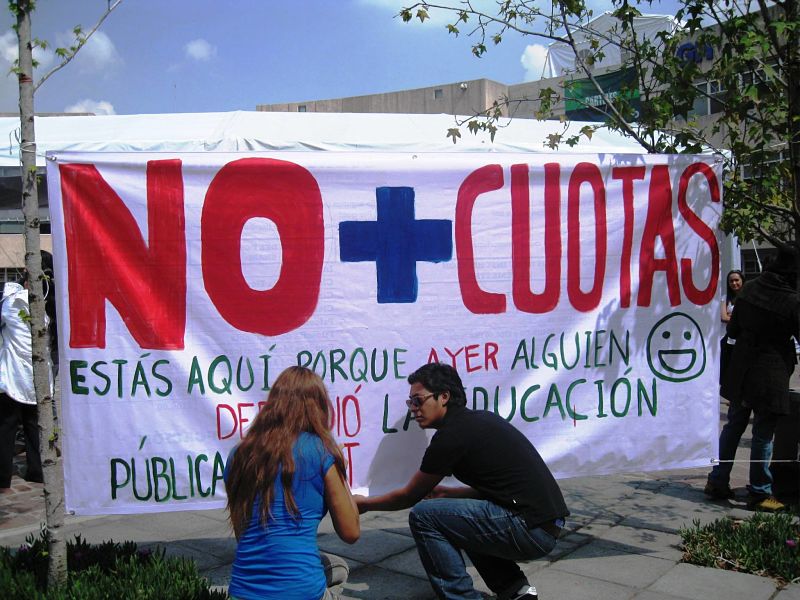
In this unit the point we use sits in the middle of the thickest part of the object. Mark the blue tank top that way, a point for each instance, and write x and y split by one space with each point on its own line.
281 560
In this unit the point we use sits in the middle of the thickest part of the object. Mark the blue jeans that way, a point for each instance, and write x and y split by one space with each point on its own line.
764 423
492 536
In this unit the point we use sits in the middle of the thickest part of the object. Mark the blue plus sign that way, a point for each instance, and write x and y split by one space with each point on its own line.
396 241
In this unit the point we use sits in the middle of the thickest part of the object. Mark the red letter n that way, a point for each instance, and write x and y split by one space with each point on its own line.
108 259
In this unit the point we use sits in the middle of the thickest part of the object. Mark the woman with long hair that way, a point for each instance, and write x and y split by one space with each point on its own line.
734 281
281 480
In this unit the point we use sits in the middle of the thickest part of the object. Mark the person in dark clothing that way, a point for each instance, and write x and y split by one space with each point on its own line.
756 381
511 510
735 281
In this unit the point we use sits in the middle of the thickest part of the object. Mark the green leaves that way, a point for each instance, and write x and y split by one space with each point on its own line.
406 14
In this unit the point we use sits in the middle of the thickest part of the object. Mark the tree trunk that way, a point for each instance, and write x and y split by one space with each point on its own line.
53 477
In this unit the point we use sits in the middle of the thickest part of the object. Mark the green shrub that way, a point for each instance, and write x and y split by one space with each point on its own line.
106 571
763 544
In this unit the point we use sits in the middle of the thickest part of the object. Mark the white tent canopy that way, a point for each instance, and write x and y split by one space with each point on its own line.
607 30
266 131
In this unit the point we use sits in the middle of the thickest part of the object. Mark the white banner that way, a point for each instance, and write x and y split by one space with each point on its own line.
577 295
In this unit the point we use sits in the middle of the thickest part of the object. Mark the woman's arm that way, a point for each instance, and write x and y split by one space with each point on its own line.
724 314
342 507
734 326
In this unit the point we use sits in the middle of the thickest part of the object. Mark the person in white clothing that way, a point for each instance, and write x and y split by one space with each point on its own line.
17 395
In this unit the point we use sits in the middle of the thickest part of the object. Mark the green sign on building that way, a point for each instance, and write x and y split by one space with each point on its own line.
585 103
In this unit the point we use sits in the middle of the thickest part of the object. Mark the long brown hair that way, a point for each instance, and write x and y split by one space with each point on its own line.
297 402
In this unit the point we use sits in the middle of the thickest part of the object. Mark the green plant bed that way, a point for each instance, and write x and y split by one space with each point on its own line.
101 572
763 544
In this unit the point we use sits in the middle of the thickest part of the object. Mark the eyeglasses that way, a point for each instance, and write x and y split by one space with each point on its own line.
416 402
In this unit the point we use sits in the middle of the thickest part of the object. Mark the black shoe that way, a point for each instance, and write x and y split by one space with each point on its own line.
716 492
34 478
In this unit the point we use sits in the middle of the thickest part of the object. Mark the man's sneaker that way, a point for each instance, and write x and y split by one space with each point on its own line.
766 504
718 492
529 594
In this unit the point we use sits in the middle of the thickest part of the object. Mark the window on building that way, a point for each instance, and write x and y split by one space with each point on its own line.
754 260
761 79
708 100
438 93
19 227
302 108
9 274
766 165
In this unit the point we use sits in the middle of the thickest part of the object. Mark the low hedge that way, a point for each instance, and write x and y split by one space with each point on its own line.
101 572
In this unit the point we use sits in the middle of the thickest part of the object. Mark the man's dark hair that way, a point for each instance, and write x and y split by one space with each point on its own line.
784 265
438 378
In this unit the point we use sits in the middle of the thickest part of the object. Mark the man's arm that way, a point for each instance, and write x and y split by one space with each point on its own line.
446 491
419 486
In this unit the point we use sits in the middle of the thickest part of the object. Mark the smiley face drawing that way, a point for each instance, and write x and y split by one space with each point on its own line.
676 350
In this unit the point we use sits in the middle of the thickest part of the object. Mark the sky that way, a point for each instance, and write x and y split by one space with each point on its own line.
163 56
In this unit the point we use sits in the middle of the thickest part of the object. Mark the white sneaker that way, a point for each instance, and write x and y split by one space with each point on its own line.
529 594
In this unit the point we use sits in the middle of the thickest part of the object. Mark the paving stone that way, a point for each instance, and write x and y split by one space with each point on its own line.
791 592
704 583
609 564
552 584
564 548
595 529
222 549
374 583
669 514
533 568
203 560
646 542
406 562
373 546
178 525
650 595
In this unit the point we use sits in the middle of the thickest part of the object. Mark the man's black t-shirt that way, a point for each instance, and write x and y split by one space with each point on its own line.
487 453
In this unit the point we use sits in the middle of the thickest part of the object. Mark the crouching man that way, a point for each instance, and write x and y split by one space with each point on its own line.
513 509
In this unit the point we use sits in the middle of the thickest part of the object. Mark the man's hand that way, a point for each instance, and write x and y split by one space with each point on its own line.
440 491
361 503
419 486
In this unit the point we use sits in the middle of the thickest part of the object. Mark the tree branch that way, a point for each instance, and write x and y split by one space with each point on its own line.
505 24
81 39
621 122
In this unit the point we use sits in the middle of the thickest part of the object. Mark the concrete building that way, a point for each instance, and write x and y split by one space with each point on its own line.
458 98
